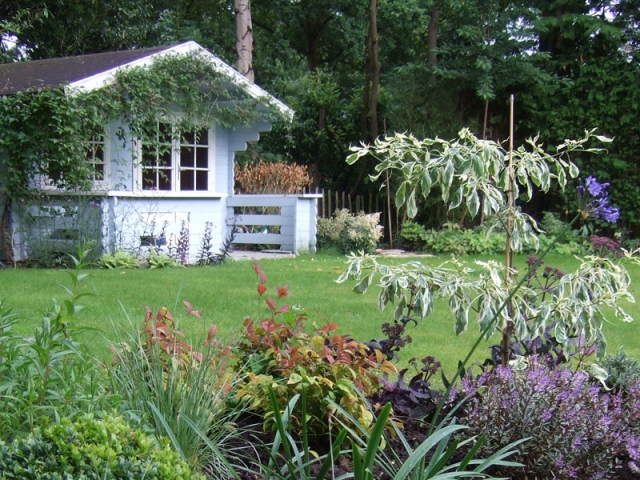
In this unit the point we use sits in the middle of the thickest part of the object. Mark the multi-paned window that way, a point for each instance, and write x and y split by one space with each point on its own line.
177 161
194 160
95 156
96 159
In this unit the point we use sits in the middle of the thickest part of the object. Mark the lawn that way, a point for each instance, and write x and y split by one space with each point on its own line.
226 294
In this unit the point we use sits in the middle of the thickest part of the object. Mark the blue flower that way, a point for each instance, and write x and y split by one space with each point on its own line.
593 201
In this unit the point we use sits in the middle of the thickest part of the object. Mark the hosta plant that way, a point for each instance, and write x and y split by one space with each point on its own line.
118 260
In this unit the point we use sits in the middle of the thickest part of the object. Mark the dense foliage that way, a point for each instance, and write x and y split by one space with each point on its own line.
327 367
550 406
167 404
443 65
88 447
45 132
347 232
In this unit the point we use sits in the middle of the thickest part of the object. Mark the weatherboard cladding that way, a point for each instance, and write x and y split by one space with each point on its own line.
20 76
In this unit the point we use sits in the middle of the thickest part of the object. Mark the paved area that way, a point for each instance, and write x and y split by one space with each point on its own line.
250 255
258 255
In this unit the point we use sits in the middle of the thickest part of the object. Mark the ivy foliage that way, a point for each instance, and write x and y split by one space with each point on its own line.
45 132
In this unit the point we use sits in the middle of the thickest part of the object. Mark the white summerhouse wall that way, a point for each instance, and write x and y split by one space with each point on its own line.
131 215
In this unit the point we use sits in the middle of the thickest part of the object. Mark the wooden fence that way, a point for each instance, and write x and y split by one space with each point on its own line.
293 215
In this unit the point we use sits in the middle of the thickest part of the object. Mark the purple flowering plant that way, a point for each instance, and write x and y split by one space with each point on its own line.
574 430
593 201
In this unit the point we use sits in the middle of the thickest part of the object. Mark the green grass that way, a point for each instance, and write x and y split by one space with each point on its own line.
226 294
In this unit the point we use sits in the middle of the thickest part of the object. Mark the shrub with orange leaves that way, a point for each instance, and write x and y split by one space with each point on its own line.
283 355
269 177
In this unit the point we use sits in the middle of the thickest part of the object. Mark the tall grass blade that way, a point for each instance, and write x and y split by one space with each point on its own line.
212 446
332 455
168 431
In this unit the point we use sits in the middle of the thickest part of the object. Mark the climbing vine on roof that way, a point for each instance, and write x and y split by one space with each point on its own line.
45 132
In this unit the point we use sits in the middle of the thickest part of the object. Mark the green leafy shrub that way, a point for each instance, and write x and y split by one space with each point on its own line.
411 234
158 259
48 374
326 366
118 260
90 448
553 226
350 233
459 241
453 239
623 371
571 247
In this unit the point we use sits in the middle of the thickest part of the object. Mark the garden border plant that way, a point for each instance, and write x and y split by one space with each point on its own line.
572 306
466 167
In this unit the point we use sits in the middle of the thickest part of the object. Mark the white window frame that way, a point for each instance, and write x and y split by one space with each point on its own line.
104 142
176 169
43 182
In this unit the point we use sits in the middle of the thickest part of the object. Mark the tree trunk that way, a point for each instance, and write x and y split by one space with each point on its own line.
374 66
369 111
312 30
432 35
244 38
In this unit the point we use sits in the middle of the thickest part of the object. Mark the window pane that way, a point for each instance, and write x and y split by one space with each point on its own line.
149 179
148 157
186 157
201 180
99 171
186 180
164 179
99 153
164 133
202 157
203 137
188 138
165 159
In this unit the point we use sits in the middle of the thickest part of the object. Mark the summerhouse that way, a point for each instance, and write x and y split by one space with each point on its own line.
177 191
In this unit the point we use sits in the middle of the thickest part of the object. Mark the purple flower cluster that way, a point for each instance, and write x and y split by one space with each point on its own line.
575 429
593 201
604 246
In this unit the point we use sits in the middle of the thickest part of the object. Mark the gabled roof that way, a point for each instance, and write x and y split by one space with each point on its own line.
88 72
20 76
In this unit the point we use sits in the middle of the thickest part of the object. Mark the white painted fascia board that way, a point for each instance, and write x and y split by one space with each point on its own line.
108 77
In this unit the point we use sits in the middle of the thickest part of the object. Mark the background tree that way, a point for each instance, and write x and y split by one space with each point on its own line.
244 38
593 80
443 65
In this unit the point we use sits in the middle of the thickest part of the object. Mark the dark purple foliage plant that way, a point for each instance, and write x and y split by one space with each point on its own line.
575 430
